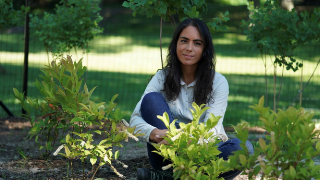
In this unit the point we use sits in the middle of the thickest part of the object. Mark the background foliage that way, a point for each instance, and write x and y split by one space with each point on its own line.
126 54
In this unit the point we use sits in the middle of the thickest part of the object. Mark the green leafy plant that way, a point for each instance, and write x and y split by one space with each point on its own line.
67 106
167 8
60 34
60 106
288 149
277 32
9 16
192 149
22 153
83 147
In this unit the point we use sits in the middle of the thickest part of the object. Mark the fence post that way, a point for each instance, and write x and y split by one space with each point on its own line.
4 107
26 53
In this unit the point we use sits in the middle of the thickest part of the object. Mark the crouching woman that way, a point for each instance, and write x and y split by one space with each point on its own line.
189 76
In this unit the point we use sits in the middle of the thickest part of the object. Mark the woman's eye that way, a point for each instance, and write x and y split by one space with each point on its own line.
183 41
198 44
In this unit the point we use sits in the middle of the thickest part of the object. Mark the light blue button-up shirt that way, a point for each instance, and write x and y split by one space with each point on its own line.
180 108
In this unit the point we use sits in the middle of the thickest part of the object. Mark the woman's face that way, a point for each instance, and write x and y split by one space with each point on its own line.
190 46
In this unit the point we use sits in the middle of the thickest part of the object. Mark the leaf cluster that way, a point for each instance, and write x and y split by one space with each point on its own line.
272 29
83 146
193 148
74 24
166 9
9 16
67 106
288 147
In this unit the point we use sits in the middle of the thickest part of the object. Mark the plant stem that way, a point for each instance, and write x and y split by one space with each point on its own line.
160 42
48 55
72 170
67 170
301 84
265 75
280 87
306 83
174 22
95 172
75 50
274 86
83 174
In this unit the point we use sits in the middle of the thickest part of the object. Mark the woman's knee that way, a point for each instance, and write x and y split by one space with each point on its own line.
150 98
249 145
234 145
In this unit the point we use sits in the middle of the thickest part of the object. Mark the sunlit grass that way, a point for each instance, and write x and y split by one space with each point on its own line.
123 65
146 60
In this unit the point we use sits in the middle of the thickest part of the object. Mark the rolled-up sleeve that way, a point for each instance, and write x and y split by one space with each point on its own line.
155 85
219 102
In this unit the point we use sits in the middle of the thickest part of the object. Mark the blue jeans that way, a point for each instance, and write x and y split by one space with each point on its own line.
154 104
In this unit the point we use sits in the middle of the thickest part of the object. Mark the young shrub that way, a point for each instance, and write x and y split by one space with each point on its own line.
277 33
291 143
73 25
83 147
65 105
59 107
68 107
192 149
11 17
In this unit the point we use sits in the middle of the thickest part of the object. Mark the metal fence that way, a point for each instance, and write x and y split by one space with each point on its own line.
127 54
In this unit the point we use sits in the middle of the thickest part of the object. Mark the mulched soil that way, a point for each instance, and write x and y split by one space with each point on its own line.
13 165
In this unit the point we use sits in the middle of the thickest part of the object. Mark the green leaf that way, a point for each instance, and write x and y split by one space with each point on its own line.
292 171
157 146
318 146
93 160
165 119
17 94
86 152
243 159
116 155
256 170
114 98
67 138
67 151
262 144
76 119
261 101
118 137
126 4
114 126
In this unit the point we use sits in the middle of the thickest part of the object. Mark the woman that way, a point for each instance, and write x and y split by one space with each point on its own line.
189 76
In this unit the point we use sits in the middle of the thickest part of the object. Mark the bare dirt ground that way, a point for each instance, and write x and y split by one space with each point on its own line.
13 165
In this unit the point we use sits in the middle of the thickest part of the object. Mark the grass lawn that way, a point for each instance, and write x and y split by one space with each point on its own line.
123 59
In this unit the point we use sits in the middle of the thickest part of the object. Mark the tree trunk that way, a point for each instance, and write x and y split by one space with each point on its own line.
256 3
2 70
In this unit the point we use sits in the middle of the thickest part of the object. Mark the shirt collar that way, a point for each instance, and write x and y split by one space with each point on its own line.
190 85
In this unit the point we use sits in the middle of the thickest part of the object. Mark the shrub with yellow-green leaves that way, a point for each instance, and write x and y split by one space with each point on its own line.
66 107
291 142
192 149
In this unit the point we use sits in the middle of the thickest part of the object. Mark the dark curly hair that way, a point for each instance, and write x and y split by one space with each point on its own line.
205 70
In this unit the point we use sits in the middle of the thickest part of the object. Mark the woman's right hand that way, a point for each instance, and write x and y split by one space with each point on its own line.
157 135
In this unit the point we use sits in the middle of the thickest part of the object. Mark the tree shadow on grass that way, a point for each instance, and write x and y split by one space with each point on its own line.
245 90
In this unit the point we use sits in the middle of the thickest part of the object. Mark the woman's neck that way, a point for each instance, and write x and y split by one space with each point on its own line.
188 74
